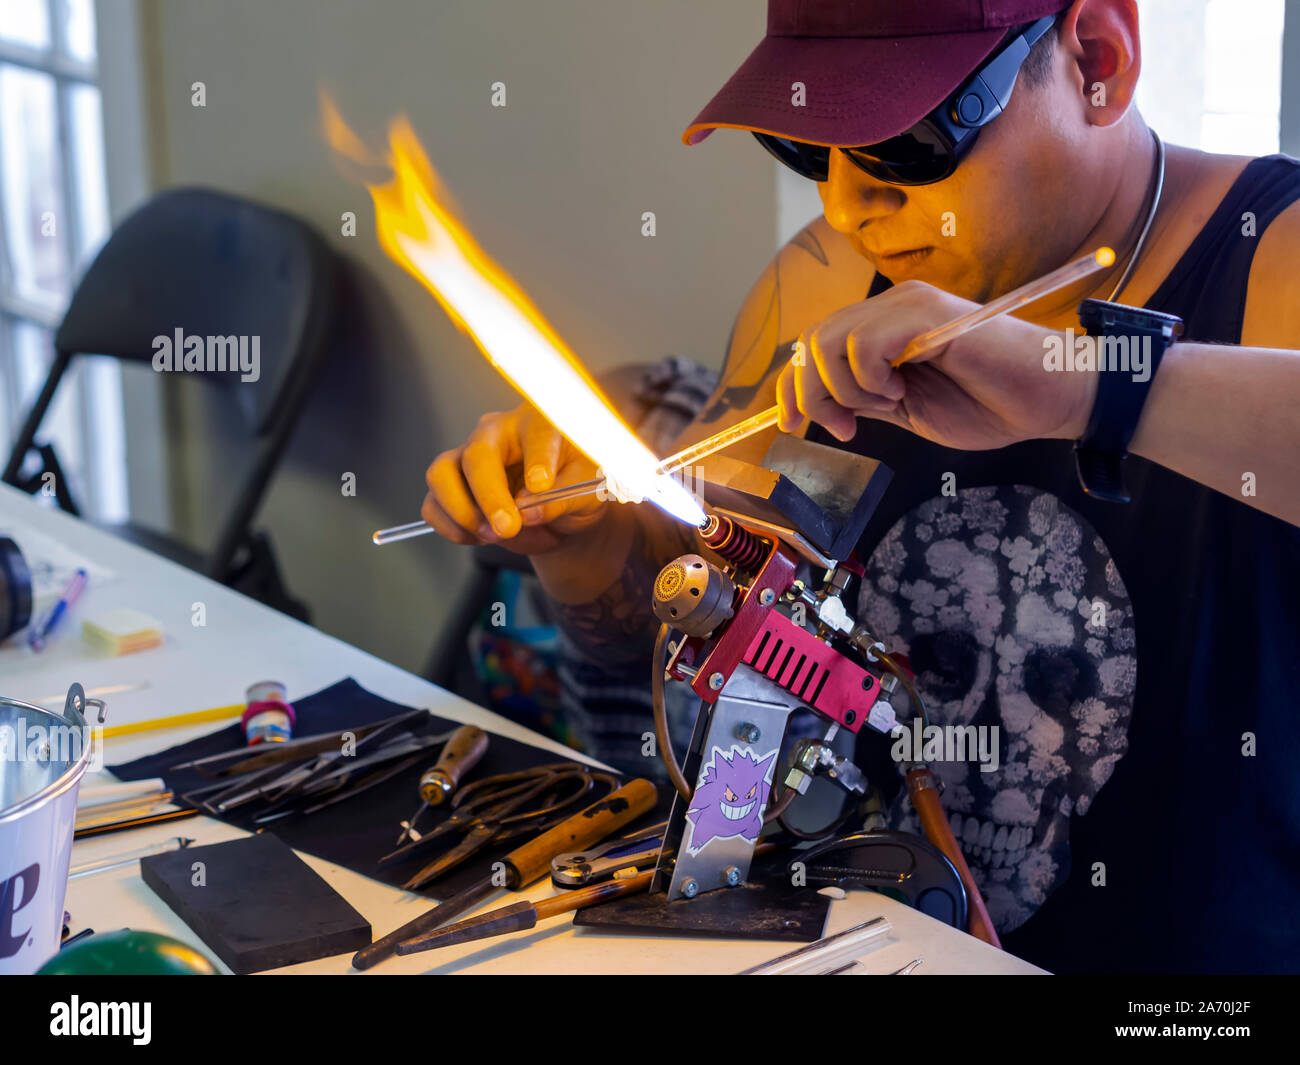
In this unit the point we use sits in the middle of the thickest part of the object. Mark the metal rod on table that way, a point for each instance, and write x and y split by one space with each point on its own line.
121 860
825 955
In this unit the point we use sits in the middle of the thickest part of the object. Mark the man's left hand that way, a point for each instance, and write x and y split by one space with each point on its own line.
984 390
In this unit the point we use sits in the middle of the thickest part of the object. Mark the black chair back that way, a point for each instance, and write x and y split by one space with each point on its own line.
195 263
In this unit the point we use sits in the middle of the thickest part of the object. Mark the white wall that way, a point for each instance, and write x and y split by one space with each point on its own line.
553 185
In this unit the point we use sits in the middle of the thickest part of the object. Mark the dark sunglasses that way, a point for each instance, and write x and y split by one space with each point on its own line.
930 150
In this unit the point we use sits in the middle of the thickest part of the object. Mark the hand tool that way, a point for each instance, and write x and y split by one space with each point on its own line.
694 453
464 750
637 851
583 868
826 955
1036 289
526 864
907 969
226 788
289 775
333 773
273 783
351 791
499 808
366 783
240 760
524 915
329 771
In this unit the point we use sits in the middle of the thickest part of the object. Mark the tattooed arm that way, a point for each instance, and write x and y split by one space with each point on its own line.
610 623
816 273
597 561
599 583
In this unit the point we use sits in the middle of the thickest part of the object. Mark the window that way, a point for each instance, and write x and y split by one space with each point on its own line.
1212 73
53 218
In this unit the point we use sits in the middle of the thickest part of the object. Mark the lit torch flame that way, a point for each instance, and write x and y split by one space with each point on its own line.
418 231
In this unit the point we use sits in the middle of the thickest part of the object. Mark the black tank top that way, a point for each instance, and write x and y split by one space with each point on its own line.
1141 662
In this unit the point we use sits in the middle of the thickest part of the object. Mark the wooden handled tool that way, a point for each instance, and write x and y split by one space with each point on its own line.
462 753
923 790
527 864
521 916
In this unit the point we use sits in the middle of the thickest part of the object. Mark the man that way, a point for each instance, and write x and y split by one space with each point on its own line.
1139 659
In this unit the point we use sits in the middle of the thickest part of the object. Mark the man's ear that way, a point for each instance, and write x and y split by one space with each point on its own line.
1102 39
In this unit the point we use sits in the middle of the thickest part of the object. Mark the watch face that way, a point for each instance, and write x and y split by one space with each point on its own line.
1112 318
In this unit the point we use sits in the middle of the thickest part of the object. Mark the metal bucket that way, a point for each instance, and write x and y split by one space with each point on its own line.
43 756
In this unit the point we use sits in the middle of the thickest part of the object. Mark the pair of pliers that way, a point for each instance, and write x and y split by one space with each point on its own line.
495 809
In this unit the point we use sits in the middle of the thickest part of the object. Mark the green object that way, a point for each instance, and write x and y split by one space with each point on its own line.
127 952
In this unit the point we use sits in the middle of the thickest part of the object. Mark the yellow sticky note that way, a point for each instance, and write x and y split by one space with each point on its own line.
122 631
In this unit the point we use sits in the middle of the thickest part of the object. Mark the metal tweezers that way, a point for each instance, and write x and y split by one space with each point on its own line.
341 783
244 760
317 766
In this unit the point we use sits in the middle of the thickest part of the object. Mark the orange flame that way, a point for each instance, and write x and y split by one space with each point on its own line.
418 230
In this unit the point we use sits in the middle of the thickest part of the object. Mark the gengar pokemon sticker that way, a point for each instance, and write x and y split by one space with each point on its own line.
730 796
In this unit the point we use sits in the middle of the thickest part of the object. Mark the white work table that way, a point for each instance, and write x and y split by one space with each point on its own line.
243 641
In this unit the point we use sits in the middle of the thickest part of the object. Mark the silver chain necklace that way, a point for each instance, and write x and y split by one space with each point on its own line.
1151 215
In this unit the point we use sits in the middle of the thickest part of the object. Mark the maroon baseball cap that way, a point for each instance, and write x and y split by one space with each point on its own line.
870 68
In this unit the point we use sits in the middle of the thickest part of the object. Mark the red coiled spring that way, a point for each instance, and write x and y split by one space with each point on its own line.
733 542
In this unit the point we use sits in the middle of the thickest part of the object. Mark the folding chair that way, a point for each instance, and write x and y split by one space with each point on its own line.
210 265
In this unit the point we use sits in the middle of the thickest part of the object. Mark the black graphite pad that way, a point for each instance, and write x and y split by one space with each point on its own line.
767 907
824 493
259 907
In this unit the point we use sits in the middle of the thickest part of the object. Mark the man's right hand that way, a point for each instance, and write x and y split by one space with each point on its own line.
470 499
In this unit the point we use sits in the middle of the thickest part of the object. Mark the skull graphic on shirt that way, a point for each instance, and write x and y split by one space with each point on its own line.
1011 612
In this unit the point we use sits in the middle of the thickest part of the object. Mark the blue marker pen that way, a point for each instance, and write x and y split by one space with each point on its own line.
36 638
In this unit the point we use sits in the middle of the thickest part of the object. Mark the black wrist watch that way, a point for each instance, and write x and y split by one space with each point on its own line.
1128 344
